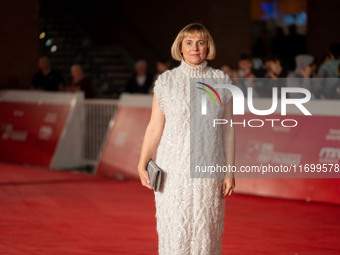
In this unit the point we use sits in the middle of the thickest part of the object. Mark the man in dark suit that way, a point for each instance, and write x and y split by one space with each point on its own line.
47 78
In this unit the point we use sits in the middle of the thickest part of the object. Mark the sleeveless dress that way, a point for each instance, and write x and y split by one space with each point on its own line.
189 211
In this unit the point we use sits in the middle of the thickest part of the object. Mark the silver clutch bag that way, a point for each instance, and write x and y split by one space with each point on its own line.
155 174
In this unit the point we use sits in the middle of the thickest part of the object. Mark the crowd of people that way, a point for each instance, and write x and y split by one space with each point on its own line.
49 79
262 75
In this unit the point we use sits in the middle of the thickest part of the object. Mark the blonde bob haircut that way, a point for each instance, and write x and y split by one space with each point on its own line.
190 29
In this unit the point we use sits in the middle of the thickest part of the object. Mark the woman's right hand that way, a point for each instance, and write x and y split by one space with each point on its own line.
151 140
144 177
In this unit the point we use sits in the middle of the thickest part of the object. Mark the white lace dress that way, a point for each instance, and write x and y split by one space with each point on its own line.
189 211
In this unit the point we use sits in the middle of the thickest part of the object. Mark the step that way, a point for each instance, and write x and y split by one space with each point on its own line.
115 68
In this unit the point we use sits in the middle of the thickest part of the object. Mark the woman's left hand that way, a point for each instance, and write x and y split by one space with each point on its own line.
228 186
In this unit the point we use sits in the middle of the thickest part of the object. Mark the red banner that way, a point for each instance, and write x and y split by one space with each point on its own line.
122 149
314 140
29 132
299 141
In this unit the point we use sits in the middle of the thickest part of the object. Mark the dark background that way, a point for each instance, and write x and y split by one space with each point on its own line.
146 29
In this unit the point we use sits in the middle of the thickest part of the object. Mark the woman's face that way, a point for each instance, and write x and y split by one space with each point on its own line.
194 49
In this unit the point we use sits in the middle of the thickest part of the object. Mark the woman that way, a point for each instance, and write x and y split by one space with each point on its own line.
80 82
189 211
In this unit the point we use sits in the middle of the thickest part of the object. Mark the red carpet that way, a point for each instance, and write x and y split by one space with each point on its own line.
52 212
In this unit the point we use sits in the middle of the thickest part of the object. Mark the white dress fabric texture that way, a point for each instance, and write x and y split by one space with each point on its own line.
189 211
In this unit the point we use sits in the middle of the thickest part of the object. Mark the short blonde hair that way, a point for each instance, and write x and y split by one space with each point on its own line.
189 29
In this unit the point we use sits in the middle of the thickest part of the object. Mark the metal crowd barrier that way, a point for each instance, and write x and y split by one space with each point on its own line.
99 119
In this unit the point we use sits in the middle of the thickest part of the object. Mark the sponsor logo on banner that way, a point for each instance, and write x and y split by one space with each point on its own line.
45 133
333 135
281 129
260 152
329 155
16 135
51 118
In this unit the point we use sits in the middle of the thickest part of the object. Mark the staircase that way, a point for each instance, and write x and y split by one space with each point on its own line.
114 64
108 66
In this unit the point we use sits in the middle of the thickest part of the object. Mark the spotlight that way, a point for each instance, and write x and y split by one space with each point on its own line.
48 42
42 35
54 48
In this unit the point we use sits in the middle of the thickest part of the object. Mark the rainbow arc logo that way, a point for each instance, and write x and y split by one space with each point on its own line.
209 93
